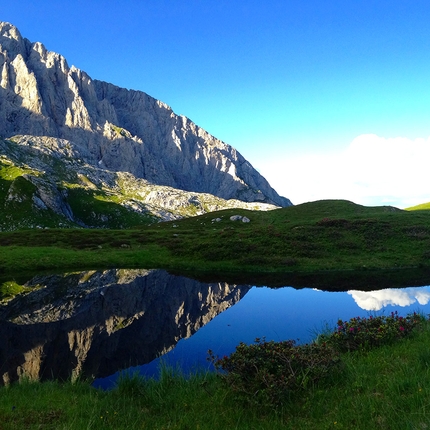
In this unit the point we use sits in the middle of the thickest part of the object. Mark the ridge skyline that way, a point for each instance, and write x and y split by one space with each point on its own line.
116 128
291 86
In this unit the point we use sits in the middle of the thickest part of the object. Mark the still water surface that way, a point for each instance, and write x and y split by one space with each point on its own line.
280 314
97 323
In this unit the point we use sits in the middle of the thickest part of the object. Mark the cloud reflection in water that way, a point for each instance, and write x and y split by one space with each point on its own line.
376 300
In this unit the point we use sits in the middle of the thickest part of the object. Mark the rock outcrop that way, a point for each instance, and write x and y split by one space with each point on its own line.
116 129
45 183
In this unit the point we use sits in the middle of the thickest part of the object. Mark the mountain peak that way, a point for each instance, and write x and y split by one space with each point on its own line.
120 129
9 31
11 40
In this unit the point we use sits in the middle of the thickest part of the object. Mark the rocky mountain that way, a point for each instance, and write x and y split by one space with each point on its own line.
113 130
45 183
95 323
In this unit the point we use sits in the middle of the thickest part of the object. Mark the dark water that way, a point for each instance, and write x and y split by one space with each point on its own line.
97 323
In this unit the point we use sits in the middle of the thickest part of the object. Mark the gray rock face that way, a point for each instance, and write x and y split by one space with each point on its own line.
117 129
44 182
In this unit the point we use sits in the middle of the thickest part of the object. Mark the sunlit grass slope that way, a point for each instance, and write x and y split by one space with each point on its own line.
422 206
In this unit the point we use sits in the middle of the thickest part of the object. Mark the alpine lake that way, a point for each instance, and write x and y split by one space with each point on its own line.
97 324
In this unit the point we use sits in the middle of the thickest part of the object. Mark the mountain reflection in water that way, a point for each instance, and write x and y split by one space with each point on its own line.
94 323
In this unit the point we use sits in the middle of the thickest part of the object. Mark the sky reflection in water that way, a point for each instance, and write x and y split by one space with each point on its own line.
280 314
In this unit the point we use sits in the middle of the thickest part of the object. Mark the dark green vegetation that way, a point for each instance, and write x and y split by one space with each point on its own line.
385 388
318 236
94 208
268 372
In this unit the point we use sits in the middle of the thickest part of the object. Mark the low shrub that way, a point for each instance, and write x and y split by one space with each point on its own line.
268 372
366 333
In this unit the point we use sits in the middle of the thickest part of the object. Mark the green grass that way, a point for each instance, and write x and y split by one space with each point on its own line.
20 212
57 258
91 207
98 209
10 289
10 172
423 206
384 388
320 236
387 388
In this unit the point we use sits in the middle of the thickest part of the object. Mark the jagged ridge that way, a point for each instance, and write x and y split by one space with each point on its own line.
116 129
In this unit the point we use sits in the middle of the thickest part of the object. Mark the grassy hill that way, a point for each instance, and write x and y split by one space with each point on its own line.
422 206
322 235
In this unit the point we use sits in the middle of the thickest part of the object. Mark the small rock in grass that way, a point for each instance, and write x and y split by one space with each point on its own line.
236 218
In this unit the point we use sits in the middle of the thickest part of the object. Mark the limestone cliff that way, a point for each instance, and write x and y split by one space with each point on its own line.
45 183
117 129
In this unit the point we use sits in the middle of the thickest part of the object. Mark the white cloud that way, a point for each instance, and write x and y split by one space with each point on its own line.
376 300
372 171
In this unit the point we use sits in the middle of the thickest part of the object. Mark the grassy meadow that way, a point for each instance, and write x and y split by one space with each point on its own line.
386 387
318 236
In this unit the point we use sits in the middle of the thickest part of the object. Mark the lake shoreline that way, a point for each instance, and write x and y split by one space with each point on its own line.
204 400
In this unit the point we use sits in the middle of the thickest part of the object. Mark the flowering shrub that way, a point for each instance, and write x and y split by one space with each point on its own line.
267 372
366 333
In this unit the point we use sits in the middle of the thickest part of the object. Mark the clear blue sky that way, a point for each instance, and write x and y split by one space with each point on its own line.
290 84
